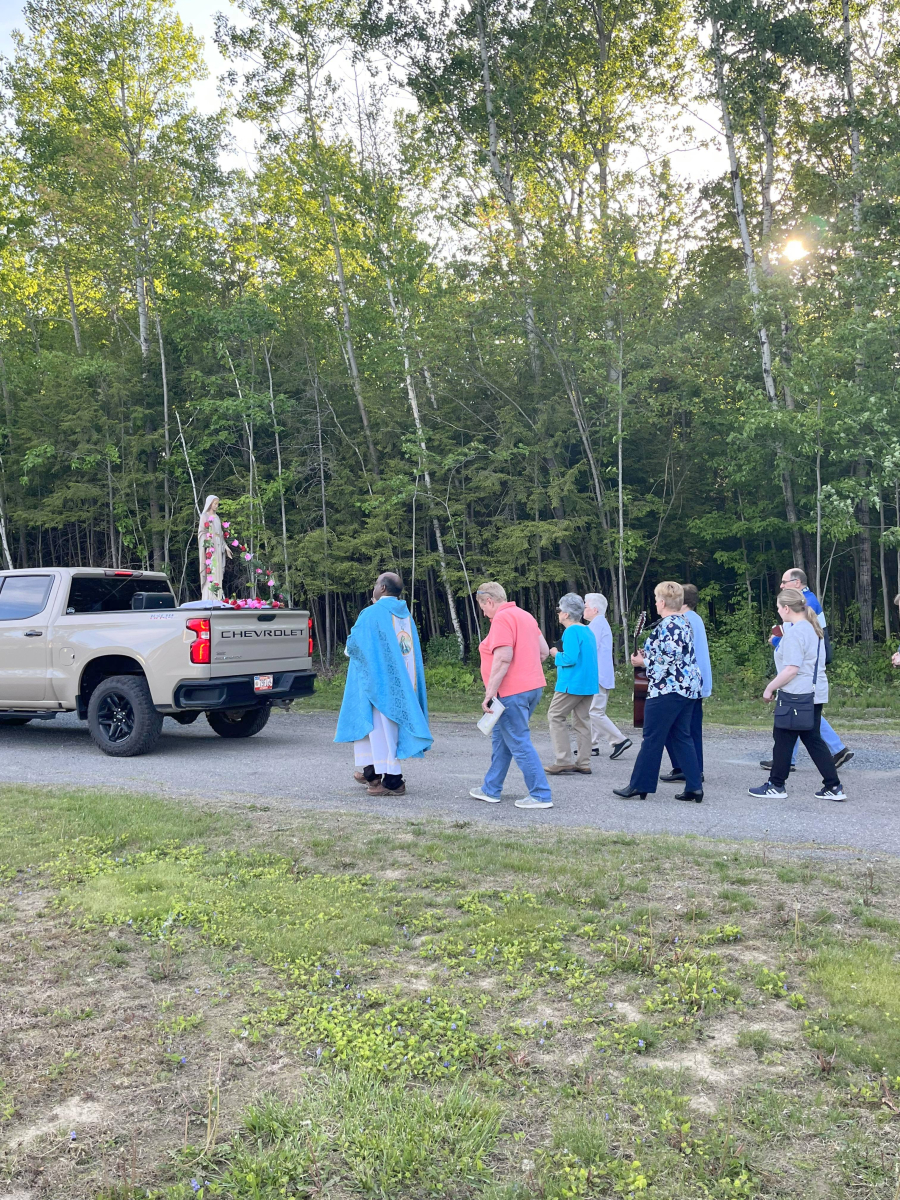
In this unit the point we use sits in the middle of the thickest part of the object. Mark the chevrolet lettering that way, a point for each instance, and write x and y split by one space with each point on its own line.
258 633
114 647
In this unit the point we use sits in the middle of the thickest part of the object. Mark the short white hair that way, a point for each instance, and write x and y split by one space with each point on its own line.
492 591
596 600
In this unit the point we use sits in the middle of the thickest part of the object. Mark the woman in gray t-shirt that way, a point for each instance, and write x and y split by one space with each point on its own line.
800 659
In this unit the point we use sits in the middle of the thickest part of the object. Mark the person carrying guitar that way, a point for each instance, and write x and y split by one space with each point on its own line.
674 687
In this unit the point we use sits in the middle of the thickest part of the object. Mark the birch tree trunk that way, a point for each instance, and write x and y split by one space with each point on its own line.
73 311
864 577
741 215
420 434
503 177
7 400
327 656
284 542
348 346
620 496
3 541
750 270
460 550
143 308
883 568
167 500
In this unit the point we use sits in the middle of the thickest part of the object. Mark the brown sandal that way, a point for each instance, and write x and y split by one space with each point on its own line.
378 789
360 778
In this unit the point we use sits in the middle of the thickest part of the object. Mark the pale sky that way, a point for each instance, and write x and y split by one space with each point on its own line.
696 165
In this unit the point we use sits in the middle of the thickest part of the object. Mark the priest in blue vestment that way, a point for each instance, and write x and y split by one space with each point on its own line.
384 711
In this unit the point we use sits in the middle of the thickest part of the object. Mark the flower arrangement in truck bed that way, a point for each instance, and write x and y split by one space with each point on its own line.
254 567
251 602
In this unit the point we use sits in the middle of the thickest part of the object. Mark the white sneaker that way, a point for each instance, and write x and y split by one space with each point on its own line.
478 794
768 791
530 802
825 793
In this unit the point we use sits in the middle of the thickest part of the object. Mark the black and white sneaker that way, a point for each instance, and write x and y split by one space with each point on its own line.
768 791
825 793
595 752
620 748
842 757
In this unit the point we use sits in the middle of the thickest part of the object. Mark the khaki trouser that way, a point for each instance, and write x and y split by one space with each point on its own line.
579 706
601 725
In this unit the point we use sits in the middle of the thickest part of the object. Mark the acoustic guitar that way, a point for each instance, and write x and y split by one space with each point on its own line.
641 682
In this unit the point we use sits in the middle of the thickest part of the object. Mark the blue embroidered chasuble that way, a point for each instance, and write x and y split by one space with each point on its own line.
377 678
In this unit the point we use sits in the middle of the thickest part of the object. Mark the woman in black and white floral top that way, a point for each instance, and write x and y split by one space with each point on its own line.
674 688
669 658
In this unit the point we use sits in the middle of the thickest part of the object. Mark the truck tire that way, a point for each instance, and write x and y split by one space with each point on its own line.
121 717
15 720
239 722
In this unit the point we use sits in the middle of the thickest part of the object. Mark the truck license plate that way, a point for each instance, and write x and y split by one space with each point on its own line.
262 683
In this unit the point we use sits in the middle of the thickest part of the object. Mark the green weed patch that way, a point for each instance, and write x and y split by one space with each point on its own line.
862 985
467 1015
379 1139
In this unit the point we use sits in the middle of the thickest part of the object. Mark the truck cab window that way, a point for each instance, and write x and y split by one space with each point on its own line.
100 593
23 596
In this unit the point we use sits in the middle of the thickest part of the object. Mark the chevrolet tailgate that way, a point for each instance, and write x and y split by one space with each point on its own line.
258 641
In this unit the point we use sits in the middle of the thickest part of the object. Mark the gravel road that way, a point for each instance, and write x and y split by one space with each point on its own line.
294 763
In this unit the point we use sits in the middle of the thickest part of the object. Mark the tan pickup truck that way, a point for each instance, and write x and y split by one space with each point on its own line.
113 647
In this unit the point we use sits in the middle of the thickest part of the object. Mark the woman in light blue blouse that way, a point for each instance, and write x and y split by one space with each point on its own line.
674 687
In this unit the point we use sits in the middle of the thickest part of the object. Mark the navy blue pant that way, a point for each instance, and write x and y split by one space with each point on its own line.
696 738
666 717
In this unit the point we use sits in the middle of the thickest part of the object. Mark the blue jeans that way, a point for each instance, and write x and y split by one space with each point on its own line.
667 717
696 738
829 737
511 739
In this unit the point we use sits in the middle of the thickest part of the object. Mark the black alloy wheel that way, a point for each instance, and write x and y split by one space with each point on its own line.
122 717
115 716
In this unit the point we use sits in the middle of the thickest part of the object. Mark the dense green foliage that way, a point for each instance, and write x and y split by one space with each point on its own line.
469 322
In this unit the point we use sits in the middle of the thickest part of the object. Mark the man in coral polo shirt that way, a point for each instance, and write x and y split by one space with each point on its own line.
511 657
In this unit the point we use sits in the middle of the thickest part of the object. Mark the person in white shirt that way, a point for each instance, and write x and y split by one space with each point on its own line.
595 606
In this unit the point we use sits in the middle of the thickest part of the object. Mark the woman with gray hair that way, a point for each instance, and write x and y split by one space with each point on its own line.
576 686
595 605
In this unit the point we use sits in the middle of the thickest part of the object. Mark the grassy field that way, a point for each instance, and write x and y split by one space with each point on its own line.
259 1006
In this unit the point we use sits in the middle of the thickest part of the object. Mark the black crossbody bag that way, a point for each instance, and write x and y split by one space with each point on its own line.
797 712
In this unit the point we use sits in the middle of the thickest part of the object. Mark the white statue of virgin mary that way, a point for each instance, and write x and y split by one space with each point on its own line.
213 550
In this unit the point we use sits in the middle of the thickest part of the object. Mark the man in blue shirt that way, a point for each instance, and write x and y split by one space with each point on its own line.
794 577
577 680
701 652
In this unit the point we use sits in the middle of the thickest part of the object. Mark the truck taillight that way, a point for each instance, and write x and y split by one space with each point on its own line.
310 638
200 648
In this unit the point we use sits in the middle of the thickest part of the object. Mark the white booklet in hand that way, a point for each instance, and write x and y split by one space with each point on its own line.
490 719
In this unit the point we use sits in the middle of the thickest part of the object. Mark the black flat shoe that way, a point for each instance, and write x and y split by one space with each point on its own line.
628 792
672 777
697 797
